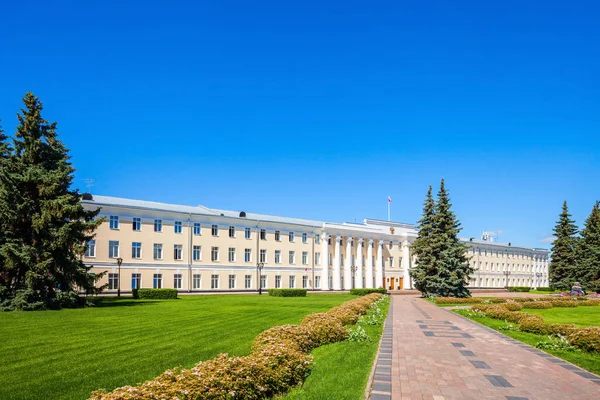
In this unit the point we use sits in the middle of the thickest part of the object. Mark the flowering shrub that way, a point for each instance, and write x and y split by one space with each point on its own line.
564 303
537 304
589 302
586 338
560 329
533 324
458 300
513 306
297 334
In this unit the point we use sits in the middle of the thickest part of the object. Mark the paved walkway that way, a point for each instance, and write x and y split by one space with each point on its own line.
441 356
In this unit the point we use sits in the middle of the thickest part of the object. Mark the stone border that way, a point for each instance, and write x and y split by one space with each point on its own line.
379 386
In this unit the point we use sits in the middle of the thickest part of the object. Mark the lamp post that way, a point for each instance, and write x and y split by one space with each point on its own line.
507 274
353 269
119 262
259 267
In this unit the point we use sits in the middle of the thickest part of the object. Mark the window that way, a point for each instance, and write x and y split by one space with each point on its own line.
214 281
136 281
391 245
177 281
113 249
351 242
317 258
247 281
304 238
263 234
178 252
232 231
196 281
341 260
114 222
197 253
214 230
330 259
197 228
263 281
317 282
247 255
277 256
177 226
277 236
331 282
157 225
263 256
292 259
214 254
231 281
157 281
304 282
277 281
232 254
305 257
136 250
158 255
317 239
291 236
391 262
137 224
90 249
292 281
247 233
329 240
113 281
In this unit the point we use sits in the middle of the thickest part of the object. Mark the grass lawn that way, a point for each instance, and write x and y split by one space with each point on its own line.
580 316
588 361
543 292
353 358
66 354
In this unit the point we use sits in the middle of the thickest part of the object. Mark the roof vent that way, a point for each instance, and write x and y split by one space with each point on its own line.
243 214
87 196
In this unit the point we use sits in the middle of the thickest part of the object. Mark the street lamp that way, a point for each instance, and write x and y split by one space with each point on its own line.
119 262
507 274
259 267
353 269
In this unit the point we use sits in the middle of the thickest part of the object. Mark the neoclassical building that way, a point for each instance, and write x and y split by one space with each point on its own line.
144 244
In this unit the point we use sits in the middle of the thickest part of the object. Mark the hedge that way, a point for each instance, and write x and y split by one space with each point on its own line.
154 294
544 289
458 300
519 288
287 292
363 292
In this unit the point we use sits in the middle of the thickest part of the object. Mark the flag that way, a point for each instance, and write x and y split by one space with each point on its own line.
389 199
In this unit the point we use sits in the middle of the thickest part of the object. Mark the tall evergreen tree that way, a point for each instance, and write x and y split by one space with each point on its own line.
588 251
421 247
562 265
41 261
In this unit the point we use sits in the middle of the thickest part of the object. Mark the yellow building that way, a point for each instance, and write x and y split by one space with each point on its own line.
197 249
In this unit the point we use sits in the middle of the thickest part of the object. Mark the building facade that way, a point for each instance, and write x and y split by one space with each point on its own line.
197 249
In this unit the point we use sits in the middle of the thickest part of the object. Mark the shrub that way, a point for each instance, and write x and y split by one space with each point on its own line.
481 307
363 292
537 304
513 306
324 328
287 292
297 334
545 289
533 324
154 294
589 302
564 303
519 288
497 300
560 329
586 338
458 300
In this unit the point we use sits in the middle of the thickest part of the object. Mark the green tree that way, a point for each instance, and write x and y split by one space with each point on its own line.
41 260
421 247
562 265
588 251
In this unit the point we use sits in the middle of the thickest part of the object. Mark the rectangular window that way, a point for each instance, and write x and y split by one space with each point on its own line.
232 254
158 254
292 281
232 231
317 258
277 236
292 258
341 260
231 281
291 236
247 233
137 224
90 249
305 257
214 230
263 234
177 227
197 253
304 282
351 242
391 245
157 281
263 256
317 282
197 228
304 238
113 281
113 249
247 255
178 252
214 281
136 281
177 281
158 225
196 281
214 254
329 240
277 281
317 239
136 250
263 281
330 259
114 222
277 256
247 281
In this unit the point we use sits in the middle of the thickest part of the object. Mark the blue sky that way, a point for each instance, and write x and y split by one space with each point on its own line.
322 109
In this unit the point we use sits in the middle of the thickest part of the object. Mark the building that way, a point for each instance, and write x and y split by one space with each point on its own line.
198 249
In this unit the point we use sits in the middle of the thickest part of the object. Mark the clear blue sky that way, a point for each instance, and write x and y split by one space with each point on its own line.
322 109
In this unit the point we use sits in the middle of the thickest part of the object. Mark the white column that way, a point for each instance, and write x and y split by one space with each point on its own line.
405 264
369 266
379 265
347 265
358 276
336 265
324 261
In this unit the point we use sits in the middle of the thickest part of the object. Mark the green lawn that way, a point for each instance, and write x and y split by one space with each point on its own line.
353 358
67 354
580 316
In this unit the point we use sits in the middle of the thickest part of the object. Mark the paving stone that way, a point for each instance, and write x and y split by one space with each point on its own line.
596 381
467 353
516 398
586 374
382 387
384 362
498 380
570 367
382 377
383 356
380 396
480 364
458 345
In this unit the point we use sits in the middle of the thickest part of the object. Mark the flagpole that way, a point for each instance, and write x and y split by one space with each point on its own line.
388 211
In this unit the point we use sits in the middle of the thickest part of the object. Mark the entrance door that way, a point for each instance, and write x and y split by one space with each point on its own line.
400 283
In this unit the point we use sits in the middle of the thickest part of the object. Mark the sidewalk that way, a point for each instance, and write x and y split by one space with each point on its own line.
439 355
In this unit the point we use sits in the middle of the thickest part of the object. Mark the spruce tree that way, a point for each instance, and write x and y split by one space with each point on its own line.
588 252
562 265
421 247
49 226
